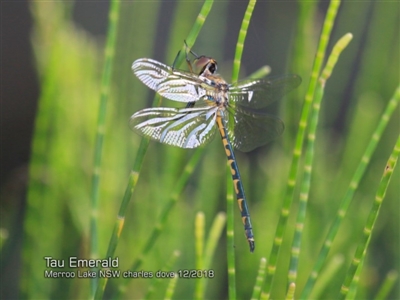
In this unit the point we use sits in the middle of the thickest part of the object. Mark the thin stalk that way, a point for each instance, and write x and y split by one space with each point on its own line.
241 38
230 236
194 32
199 246
162 219
354 284
213 238
261 72
209 250
133 178
372 217
105 91
283 219
171 287
387 285
291 290
327 276
229 183
344 204
309 155
260 278
155 282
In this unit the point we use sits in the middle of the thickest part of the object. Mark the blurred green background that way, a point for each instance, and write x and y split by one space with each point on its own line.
49 214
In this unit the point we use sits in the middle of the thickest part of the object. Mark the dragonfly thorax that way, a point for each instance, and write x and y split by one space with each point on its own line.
217 90
215 86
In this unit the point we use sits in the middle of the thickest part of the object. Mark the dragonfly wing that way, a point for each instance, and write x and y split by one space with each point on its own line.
261 92
184 128
173 84
253 129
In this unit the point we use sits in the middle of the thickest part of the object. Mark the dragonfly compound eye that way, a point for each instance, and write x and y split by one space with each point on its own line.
202 61
212 66
207 64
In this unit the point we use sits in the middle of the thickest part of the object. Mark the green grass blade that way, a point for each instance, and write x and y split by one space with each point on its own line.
261 72
259 279
241 38
171 287
230 236
372 217
194 32
155 282
136 172
291 291
62 141
199 246
38 169
387 285
344 204
327 276
209 250
352 291
229 183
98 150
309 155
213 238
162 219
283 219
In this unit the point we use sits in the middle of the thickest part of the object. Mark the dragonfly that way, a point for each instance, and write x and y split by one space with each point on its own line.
237 111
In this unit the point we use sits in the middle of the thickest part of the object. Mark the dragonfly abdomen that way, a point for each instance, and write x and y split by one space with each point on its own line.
237 183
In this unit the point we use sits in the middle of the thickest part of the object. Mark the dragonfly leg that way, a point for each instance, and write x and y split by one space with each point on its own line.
176 58
190 104
188 61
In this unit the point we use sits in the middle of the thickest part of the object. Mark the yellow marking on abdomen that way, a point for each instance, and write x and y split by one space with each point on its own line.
230 161
240 204
227 152
235 183
221 127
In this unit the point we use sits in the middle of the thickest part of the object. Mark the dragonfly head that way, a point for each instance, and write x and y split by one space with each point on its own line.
208 65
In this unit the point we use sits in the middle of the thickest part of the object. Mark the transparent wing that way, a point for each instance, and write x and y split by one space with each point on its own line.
184 128
259 93
252 129
173 84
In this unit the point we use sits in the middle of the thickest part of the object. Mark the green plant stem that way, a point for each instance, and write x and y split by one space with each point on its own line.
325 277
352 291
259 279
171 287
344 204
209 250
213 238
372 217
387 285
194 32
133 178
155 282
290 292
162 219
229 182
283 219
105 91
309 154
230 236
199 245
241 38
